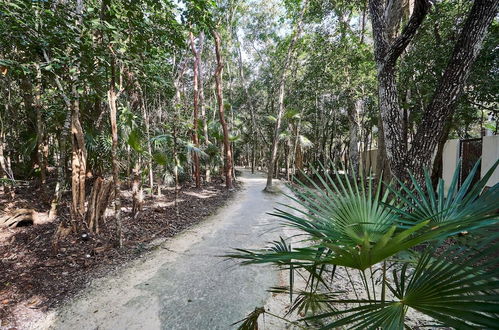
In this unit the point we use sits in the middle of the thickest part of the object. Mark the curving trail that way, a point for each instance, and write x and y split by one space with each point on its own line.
184 285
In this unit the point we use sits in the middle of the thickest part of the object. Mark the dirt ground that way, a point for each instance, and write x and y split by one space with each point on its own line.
35 276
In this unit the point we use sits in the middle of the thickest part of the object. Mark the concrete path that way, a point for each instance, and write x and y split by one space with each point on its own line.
184 285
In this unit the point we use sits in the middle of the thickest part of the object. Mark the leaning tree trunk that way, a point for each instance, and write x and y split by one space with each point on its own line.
218 81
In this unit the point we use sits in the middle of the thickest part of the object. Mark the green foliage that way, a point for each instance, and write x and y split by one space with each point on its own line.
135 140
427 58
347 222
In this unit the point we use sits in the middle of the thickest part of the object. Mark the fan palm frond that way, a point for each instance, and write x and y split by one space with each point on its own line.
458 203
346 221
456 287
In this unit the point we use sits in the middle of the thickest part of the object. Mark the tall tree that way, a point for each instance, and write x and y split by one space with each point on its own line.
280 98
202 105
420 153
195 137
79 151
221 112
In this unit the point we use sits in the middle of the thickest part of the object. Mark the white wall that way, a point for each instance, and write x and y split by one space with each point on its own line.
369 160
490 154
450 158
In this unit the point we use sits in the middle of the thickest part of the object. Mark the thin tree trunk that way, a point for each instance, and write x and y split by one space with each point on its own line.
218 82
39 127
354 111
282 90
287 155
177 103
38 109
26 89
79 154
231 117
202 106
61 166
145 115
112 99
136 190
195 138
4 164
249 103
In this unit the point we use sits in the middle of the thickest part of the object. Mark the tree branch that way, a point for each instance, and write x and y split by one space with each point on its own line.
451 85
421 8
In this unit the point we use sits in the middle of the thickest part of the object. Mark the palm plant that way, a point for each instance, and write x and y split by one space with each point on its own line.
414 247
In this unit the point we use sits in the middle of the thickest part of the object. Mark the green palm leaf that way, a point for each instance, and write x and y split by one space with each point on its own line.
465 202
346 221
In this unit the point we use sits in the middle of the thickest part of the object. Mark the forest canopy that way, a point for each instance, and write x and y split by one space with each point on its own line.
153 93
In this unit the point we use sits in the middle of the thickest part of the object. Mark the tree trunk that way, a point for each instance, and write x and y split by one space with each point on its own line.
145 115
176 104
287 155
112 99
280 102
78 165
61 166
354 111
383 172
97 204
449 89
220 101
39 127
79 151
202 106
5 169
26 89
444 101
386 53
195 138
249 103
137 197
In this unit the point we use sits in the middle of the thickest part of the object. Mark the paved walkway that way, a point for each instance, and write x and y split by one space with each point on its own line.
184 285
